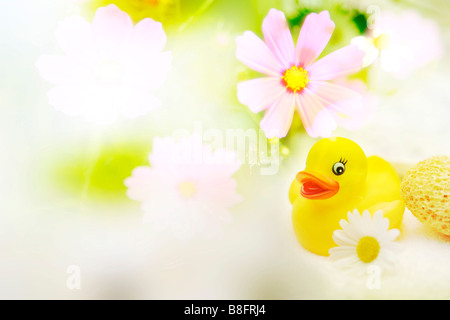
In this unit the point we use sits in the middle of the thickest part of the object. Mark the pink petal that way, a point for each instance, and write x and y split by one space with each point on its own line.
142 183
67 99
339 63
220 191
278 37
278 118
253 52
370 101
112 28
337 98
135 102
258 94
317 120
61 69
100 105
148 74
314 36
148 37
74 35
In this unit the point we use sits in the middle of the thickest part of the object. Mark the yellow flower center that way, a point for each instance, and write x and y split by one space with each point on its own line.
187 189
295 78
382 41
108 70
368 249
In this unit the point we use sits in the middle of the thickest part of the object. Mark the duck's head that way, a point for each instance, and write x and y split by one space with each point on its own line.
336 168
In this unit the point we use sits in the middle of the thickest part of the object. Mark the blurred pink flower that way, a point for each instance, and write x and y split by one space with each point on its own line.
294 79
109 67
188 188
370 102
402 43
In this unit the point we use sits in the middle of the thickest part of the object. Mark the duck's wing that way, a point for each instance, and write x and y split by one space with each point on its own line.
383 183
383 190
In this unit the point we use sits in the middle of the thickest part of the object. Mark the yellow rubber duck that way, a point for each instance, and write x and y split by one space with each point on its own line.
339 178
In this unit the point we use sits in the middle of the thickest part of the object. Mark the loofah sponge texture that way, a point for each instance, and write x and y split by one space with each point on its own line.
426 192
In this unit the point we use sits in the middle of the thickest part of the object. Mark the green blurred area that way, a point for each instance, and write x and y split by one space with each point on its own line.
99 176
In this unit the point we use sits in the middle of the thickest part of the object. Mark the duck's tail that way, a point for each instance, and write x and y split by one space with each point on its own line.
392 210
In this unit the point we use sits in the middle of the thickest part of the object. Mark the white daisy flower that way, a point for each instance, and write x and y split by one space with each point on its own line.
364 241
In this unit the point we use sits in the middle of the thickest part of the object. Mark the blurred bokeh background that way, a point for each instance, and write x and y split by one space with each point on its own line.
49 222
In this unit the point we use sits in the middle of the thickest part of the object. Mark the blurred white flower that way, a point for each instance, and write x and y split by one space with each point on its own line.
188 188
364 241
402 42
110 67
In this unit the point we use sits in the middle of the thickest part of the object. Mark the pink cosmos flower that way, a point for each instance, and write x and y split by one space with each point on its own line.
188 189
110 67
294 80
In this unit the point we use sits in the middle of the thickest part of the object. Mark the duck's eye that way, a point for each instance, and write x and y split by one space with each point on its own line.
338 168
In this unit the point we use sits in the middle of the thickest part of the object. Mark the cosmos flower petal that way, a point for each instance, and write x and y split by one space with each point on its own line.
61 69
317 120
278 37
339 63
220 191
314 35
358 119
258 94
100 106
135 103
111 30
139 184
150 72
67 99
278 118
253 52
74 36
165 151
336 98
148 36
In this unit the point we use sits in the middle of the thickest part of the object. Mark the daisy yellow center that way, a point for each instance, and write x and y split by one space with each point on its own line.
295 78
108 70
187 189
382 41
368 249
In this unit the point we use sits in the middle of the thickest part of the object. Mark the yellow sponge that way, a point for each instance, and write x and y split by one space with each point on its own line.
426 191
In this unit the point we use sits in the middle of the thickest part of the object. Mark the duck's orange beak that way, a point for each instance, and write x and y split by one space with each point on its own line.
316 185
